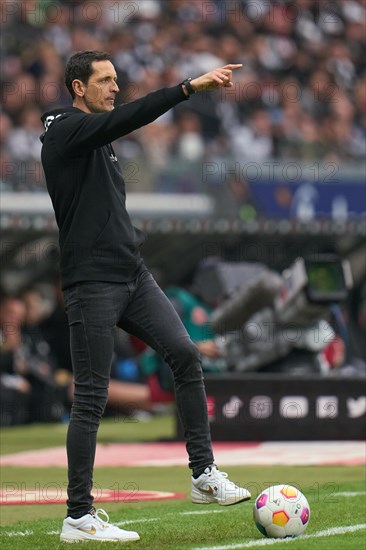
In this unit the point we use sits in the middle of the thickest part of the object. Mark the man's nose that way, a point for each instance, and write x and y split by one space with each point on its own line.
115 87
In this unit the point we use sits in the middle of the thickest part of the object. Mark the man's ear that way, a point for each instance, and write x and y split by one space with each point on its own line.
78 87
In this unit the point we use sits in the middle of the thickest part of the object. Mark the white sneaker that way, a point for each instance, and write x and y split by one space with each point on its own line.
93 527
214 486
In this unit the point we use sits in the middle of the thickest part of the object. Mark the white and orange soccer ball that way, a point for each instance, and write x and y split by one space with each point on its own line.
281 511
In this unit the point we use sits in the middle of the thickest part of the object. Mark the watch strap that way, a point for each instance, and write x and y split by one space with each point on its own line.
188 85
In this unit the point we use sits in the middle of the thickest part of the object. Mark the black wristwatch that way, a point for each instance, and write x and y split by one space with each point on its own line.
188 85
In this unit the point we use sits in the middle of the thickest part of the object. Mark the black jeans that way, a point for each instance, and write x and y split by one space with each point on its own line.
142 309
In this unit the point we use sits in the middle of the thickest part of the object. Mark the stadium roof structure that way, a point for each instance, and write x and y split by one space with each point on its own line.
182 230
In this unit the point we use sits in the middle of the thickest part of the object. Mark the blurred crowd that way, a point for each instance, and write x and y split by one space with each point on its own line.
36 382
300 94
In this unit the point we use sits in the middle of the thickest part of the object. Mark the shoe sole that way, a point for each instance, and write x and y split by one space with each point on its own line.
78 539
216 501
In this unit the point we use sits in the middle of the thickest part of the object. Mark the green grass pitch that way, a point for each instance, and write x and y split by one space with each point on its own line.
336 496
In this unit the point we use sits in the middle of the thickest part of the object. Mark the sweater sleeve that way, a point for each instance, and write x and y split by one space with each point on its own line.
84 132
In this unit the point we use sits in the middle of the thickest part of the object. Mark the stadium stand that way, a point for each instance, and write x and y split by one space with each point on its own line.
300 94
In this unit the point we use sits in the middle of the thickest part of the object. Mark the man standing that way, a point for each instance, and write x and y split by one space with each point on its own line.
106 283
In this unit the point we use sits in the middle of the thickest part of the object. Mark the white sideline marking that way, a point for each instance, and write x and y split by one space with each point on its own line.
349 494
145 520
19 533
197 512
250 544
267 542
128 521
119 523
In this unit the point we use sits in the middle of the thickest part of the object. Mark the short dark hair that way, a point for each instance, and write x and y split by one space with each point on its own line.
80 67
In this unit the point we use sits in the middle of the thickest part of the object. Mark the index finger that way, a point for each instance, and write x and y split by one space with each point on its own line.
233 66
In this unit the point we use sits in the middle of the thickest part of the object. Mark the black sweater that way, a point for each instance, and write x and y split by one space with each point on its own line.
97 239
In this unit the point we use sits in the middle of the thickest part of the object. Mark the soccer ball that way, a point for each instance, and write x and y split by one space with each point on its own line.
281 511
